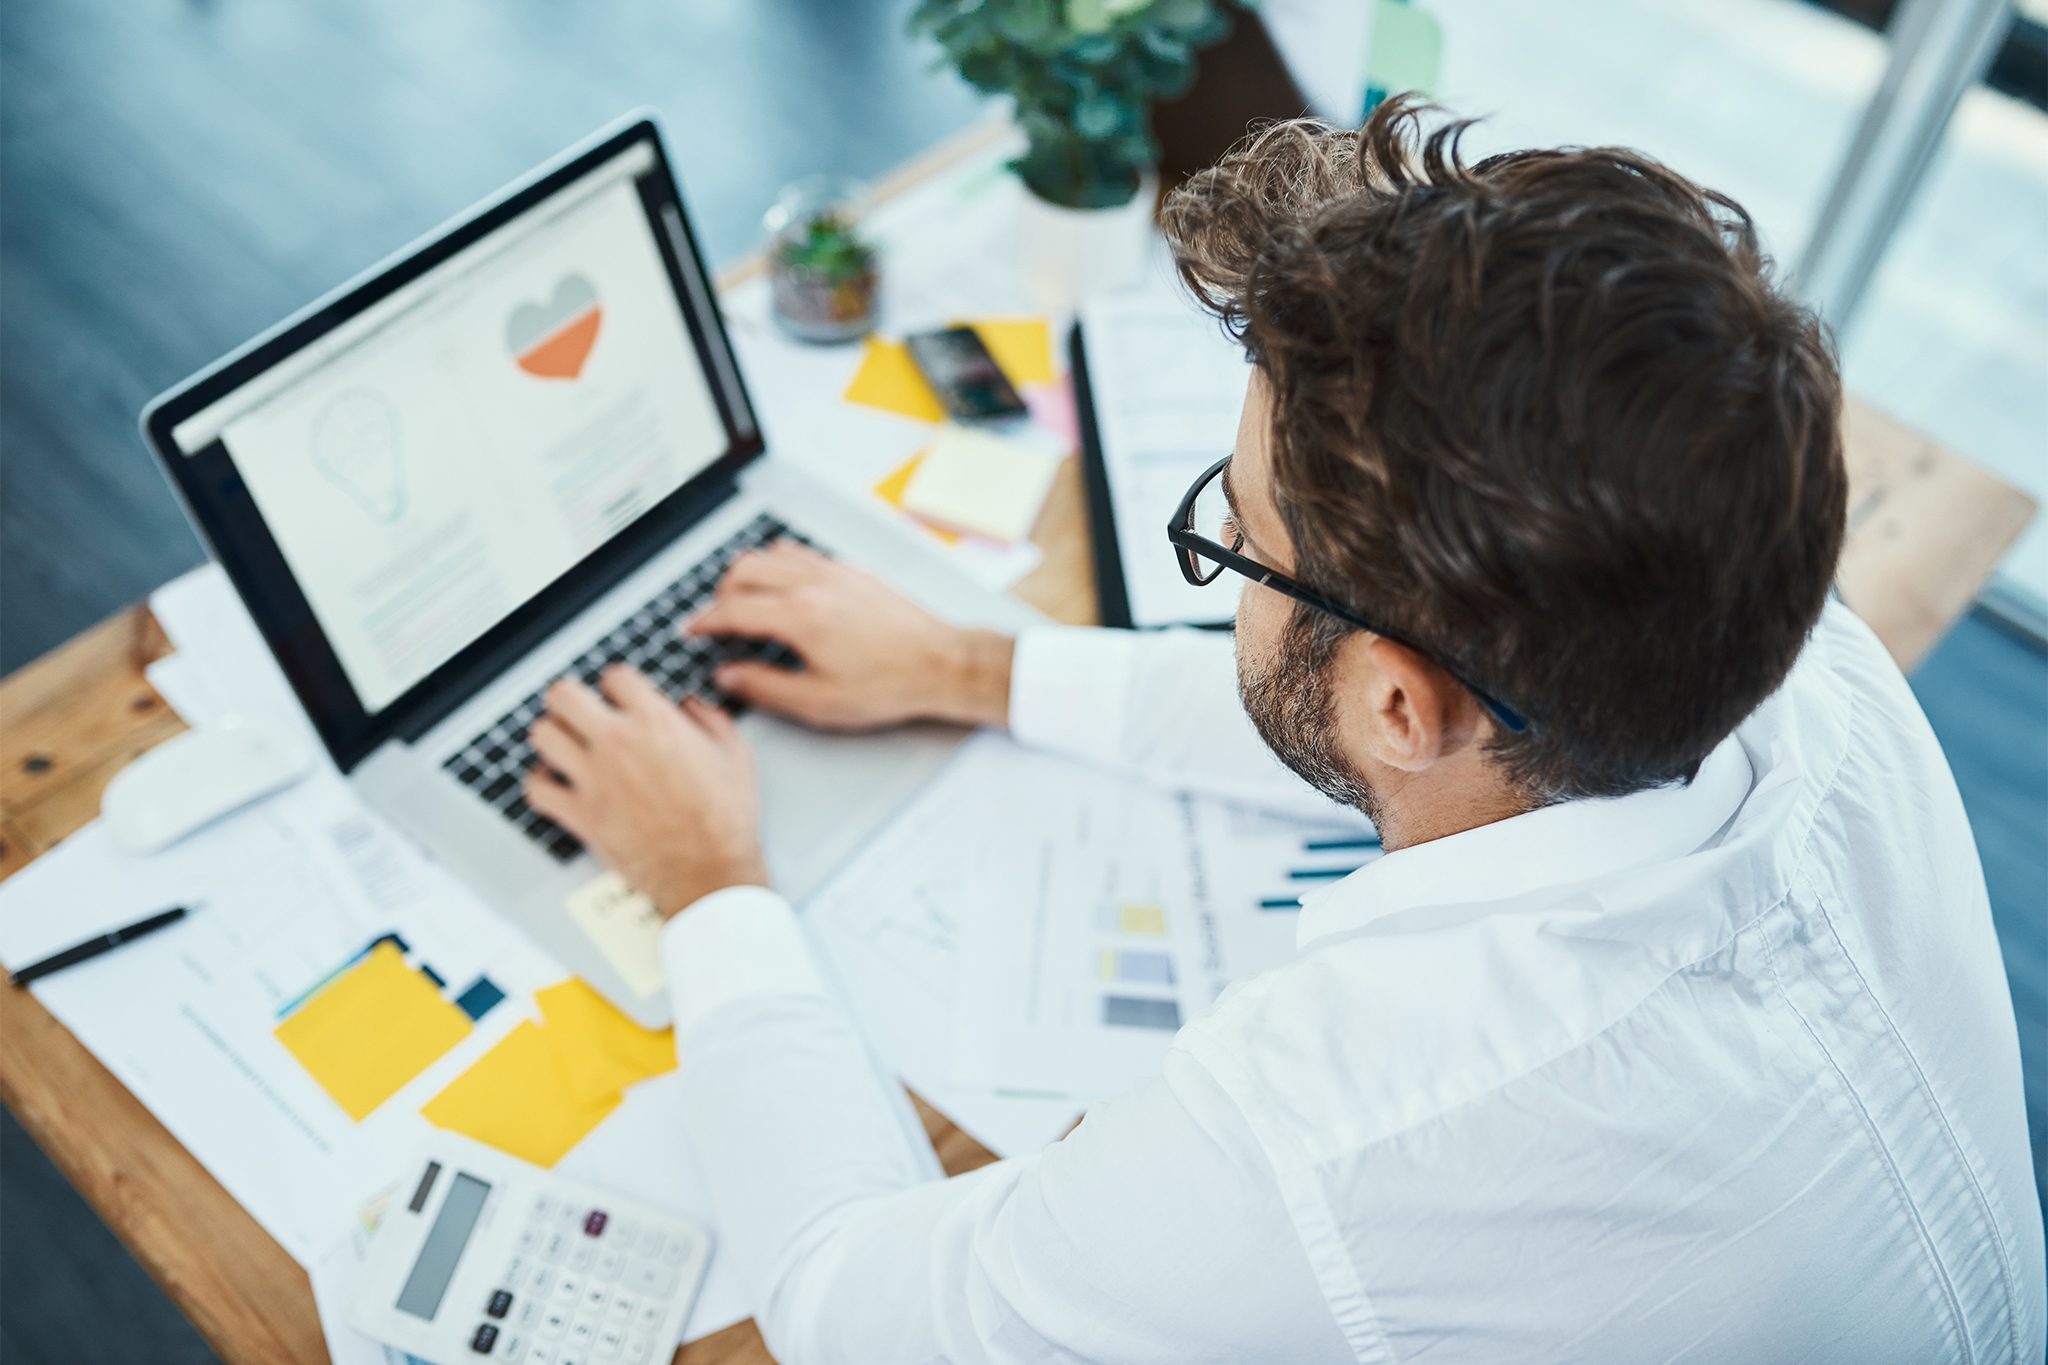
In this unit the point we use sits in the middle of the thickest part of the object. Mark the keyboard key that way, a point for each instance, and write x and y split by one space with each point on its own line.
553 1323
512 1349
625 1306
569 1290
541 1353
486 1337
593 1224
500 1304
656 1280
582 1333
610 1343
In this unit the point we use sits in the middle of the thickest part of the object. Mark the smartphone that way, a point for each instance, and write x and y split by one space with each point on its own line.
969 383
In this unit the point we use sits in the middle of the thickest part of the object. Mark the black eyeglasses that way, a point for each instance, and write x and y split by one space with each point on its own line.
1203 559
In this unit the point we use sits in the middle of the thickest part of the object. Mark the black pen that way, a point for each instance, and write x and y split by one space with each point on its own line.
93 947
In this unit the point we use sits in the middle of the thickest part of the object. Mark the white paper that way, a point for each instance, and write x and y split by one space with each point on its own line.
1166 384
1136 908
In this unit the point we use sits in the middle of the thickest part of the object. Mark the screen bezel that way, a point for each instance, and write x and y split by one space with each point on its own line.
227 519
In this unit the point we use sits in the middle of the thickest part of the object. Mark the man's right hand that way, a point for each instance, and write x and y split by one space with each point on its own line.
872 658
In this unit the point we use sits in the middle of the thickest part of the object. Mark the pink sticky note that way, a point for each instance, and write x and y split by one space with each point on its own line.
1052 407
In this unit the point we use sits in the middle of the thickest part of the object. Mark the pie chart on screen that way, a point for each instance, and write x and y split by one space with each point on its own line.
553 338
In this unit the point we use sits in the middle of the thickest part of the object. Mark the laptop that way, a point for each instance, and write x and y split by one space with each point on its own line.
521 449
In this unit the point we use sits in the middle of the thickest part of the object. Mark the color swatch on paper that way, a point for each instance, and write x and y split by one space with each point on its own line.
1144 965
1131 1011
1144 920
370 1030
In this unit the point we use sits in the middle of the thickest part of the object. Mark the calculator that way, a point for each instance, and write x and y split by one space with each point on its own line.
482 1257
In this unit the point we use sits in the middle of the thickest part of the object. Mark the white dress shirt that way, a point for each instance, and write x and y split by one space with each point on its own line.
1724 1072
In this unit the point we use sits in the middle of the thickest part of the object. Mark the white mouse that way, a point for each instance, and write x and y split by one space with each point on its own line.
197 777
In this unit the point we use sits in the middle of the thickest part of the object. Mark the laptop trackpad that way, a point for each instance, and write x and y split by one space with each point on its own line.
822 795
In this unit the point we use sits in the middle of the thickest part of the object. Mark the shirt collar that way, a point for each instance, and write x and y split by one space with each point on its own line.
1555 846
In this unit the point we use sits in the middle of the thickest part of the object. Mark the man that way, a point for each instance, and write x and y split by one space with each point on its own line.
1672 1025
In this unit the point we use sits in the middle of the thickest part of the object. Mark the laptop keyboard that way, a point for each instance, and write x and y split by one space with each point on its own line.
495 762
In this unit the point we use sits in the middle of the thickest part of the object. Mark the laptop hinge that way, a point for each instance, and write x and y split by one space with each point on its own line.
634 546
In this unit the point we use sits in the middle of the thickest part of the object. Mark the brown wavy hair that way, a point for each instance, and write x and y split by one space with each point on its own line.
1548 415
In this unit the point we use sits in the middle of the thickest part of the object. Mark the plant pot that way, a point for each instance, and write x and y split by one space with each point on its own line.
1071 255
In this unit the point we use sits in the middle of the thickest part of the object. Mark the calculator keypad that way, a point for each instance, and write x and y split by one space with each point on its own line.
585 1288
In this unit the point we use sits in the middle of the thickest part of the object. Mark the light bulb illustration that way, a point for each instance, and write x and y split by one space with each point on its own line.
355 444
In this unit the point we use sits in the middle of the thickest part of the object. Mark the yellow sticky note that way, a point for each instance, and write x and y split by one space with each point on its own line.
600 1049
890 490
1021 346
888 379
371 1029
517 1099
624 925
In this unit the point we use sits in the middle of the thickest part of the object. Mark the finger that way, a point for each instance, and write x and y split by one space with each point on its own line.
766 570
558 747
755 615
631 690
577 707
784 691
716 720
553 798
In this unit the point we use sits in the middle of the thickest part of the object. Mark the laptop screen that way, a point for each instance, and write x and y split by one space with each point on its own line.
449 459
467 445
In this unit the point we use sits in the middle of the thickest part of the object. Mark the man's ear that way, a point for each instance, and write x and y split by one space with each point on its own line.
1401 709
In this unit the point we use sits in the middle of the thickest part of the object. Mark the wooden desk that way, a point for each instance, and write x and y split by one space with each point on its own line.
1926 527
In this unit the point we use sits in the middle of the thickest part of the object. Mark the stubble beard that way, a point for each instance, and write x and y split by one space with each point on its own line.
1294 708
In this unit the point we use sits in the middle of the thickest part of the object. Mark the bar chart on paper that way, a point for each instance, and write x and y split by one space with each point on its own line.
1149 903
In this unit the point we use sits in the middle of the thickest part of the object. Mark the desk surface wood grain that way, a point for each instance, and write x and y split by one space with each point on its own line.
1926 529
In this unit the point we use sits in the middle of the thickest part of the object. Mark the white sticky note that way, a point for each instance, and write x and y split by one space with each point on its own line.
625 926
982 484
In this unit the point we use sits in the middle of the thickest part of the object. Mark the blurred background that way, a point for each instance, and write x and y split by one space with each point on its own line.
176 175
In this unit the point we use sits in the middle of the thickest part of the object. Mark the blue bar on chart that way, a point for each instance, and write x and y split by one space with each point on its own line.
1319 874
1280 903
1130 1011
1146 965
1334 845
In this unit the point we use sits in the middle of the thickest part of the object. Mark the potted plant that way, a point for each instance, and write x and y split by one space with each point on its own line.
1084 75
822 274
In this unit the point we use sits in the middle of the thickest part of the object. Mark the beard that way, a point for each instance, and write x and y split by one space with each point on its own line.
1294 708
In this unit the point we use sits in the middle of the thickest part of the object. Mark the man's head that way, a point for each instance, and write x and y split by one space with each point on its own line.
1547 419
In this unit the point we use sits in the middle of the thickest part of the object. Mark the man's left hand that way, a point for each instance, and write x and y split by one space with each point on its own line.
664 795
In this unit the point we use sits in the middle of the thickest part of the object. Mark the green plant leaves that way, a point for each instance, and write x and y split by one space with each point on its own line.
1084 75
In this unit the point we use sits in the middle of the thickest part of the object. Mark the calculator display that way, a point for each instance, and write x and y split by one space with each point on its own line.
435 1267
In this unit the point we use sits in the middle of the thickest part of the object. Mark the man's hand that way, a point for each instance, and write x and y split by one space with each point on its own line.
871 657
663 795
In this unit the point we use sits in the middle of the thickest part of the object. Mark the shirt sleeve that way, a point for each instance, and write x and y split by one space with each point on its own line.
1161 704
1154 1232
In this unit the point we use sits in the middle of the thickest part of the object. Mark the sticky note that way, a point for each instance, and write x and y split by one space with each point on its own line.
600 1049
1052 407
979 483
517 1099
372 1029
890 490
624 925
889 379
1022 347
